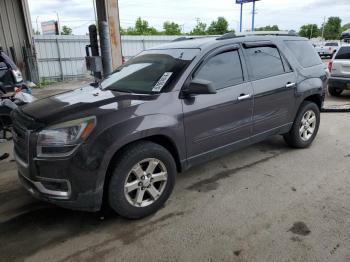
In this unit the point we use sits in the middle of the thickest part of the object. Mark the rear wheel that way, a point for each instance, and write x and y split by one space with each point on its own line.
334 91
305 126
142 180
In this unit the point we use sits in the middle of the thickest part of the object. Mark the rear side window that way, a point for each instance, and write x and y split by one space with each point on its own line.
304 52
264 62
223 70
343 53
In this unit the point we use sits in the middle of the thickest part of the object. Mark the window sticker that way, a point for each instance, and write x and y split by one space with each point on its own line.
162 81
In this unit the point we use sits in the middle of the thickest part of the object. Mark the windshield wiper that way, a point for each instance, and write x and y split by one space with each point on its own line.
96 84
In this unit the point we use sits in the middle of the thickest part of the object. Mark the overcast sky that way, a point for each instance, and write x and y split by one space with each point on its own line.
288 14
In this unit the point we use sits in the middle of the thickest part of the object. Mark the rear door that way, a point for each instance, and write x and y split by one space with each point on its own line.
216 122
341 63
274 84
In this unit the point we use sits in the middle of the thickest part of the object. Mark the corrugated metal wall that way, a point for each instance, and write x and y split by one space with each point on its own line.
63 57
13 30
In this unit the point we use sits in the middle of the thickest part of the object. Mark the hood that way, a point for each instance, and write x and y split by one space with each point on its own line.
55 107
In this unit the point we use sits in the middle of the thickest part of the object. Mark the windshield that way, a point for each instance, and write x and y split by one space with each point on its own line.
150 71
331 44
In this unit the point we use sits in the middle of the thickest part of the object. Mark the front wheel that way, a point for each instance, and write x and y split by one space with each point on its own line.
305 126
142 180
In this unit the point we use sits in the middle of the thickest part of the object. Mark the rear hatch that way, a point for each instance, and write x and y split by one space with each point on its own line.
341 63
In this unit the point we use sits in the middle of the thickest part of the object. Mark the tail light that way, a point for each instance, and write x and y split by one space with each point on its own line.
123 59
330 66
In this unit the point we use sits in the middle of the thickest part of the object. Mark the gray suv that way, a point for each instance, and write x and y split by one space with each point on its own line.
123 140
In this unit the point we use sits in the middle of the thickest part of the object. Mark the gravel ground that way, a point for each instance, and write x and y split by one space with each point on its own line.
264 203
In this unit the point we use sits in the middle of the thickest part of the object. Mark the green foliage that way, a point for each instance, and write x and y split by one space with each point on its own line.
218 27
345 27
332 29
141 28
309 31
171 28
35 32
44 83
268 28
199 29
66 30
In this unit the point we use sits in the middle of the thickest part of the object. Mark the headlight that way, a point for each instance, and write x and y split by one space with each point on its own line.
62 139
17 75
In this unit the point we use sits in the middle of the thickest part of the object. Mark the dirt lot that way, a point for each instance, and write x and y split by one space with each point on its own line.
264 203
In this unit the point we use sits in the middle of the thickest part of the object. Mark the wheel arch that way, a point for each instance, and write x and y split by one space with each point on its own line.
161 140
315 98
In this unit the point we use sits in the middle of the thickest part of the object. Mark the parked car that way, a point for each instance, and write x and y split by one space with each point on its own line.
327 50
340 72
10 75
165 110
345 36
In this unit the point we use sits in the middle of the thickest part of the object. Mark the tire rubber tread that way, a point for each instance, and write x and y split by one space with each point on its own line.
293 138
129 156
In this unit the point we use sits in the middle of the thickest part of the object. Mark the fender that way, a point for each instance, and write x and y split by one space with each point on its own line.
142 127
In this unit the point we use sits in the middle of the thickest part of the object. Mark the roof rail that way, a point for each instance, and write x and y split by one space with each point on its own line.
231 35
185 38
182 38
276 33
227 36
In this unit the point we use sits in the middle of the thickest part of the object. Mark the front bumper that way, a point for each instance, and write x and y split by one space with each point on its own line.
339 82
57 191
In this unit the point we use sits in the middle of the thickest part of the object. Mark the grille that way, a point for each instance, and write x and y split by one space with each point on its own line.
20 140
21 124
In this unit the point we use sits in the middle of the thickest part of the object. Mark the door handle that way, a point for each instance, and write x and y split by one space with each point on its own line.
244 97
290 85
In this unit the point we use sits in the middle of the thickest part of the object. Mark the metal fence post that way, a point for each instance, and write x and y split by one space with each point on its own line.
60 58
143 44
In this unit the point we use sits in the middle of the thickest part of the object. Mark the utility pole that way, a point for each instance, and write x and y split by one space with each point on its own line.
108 11
37 25
241 16
58 23
253 16
324 23
312 27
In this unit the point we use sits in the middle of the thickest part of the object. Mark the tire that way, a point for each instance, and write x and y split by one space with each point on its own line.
334 91
127 174
297 139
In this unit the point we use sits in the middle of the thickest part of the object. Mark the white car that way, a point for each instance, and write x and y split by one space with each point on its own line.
339 68
328 50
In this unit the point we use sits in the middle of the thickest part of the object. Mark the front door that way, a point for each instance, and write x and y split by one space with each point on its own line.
216 122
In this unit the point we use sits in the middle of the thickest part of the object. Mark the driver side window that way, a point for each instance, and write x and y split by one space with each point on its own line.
223 70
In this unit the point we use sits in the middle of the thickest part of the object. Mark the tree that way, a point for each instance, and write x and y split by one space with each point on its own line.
268 28
332 28
35 32
218 27
66 30
141 28
345 27
199 29
309 31
171 28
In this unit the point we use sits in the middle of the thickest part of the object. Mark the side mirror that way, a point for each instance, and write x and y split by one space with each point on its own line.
199 87
3 66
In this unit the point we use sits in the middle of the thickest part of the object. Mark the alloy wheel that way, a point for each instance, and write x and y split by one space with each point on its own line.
145 182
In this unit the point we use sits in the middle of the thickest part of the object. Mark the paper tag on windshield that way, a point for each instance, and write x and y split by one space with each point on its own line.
162 81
